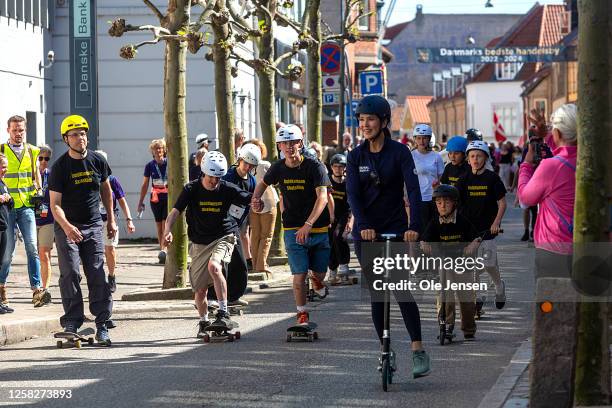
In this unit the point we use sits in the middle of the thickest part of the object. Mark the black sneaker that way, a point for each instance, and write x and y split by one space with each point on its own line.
112 283
223 320
70 328
102 336
202 325
469 337
525 236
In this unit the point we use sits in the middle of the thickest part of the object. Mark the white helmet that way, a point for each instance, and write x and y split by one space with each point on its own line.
250 153
201 138
422 130
288 133
478 145
214 164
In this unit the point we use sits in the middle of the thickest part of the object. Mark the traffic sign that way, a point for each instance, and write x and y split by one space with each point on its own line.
349 114
371 82
331 82
330 98
330 57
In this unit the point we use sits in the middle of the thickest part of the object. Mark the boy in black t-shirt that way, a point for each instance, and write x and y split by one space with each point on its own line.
212 231
483 203
455 237
342 223
303 183
458 166
79 178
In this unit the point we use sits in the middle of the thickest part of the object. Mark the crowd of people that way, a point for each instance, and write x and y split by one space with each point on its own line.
362 189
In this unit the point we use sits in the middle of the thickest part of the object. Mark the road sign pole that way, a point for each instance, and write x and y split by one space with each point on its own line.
341 100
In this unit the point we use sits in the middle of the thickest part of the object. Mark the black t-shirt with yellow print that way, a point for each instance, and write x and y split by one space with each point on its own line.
78 180
298 186
341 205
479 195
452 173
208 212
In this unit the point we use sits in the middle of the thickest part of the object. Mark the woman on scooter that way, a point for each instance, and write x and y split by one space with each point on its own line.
377 172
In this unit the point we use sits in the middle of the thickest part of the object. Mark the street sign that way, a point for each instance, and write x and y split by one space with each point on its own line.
83 63
331 98
349 114
371 82
330 57
331 82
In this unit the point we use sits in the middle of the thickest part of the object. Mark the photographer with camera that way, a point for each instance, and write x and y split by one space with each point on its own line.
550 183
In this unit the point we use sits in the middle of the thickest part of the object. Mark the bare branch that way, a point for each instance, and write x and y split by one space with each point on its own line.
237 18
208 6
154 9
283 57
283 20
238 59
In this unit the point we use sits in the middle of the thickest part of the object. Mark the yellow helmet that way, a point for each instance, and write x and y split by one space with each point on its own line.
73 122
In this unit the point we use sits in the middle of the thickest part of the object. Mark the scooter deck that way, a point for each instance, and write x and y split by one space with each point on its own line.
74 339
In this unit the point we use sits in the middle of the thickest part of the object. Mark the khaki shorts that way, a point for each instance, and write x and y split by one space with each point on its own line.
219 251
110 242
46 235
488 251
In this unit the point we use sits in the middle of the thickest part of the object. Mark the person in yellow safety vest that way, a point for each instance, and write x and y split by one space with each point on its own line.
23 182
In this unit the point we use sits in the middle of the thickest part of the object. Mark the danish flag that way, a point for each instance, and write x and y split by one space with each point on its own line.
500 134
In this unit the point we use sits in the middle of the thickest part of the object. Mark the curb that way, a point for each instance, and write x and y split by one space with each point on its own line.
498 394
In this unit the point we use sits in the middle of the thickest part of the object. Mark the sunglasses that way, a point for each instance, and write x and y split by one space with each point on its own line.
44 158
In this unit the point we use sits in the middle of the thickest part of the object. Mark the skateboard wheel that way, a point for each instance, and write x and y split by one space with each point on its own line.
315 335
355 281
59 344
77 344
90 341
310 337
206 338
288 338
230 337
237 335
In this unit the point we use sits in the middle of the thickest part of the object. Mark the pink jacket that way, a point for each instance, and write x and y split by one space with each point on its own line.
552 187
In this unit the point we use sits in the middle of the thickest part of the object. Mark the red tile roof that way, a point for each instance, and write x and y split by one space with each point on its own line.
397 116
416 107
393 31
541 26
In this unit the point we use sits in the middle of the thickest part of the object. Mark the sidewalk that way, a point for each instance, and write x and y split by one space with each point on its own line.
137 270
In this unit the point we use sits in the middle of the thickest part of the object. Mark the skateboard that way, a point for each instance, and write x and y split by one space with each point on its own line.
221 334
345 280
302 332
74 339
234 310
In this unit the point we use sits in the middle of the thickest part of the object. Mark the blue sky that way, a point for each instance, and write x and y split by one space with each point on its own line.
405 9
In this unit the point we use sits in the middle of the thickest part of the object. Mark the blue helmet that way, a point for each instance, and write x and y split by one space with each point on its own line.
457 144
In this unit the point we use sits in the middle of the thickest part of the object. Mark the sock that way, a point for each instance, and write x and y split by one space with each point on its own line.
301 308
204 318
223 305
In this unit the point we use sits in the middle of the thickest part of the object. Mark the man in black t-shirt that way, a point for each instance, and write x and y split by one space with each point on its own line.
78 179
303 183
483 203
212 231
342 223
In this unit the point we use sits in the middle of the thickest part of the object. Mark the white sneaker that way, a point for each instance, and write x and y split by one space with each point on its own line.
213 304
343 269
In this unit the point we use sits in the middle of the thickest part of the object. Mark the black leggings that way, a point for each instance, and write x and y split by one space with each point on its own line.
408 308
340 251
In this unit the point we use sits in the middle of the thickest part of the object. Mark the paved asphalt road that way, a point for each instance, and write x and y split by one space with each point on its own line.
156 360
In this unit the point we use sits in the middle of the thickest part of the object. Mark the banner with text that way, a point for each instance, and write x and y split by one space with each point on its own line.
495 55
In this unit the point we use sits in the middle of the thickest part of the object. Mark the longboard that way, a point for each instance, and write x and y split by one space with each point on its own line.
74 339
236 275
302 332
221 333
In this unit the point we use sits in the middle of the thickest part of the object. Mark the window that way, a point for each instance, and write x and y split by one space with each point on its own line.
507 115
572 81
540 106
507 71
364 22
19 11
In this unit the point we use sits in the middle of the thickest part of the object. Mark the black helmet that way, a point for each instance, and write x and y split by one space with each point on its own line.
374 105
473 134
446 190
338 159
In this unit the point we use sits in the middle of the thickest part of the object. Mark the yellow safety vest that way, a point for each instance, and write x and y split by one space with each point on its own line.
20 177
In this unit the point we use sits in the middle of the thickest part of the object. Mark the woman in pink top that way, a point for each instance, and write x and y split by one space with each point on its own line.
551 186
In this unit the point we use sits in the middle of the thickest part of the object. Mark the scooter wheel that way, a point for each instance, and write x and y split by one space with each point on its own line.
237 335
59 344
316 335
207 338
288 338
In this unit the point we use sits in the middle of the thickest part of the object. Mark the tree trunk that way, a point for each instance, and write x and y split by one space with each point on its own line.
175 125
315 96
591 217
223 88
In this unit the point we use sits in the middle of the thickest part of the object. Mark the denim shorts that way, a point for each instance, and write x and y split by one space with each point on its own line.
314 255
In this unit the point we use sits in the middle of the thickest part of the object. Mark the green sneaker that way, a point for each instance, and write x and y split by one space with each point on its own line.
420 364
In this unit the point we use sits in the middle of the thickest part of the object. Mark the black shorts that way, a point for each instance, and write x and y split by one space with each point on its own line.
160 209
